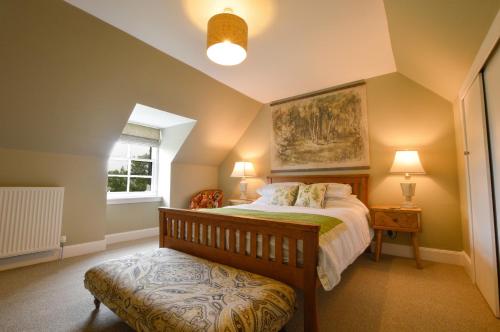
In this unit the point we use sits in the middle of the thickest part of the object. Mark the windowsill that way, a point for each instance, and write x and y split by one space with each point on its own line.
132 199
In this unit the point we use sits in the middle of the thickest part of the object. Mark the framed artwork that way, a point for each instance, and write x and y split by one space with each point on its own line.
321 131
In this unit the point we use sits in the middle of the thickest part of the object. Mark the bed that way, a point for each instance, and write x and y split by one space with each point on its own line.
291 252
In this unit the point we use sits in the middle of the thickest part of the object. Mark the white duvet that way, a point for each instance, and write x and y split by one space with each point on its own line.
339 247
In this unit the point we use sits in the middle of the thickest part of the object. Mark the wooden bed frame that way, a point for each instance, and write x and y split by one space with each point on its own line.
187 231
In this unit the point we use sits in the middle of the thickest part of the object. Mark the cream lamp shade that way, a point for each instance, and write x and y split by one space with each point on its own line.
243 169
227 38
407 163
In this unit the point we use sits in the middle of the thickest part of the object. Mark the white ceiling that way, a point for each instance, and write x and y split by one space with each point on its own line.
294 46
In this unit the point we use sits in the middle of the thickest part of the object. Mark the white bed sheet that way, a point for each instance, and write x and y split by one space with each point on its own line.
339 247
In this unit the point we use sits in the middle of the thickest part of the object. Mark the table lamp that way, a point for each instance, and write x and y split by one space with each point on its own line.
243 169
407 163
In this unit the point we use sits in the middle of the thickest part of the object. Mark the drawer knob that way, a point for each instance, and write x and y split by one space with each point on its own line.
395 219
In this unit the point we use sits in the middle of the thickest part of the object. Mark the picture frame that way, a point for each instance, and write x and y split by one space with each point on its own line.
326 130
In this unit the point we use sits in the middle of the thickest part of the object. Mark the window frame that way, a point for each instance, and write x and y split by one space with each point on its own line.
135 196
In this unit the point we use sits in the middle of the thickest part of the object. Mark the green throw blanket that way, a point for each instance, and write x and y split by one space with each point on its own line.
326 223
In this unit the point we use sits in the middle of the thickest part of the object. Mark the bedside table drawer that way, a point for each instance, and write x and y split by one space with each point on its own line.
396 220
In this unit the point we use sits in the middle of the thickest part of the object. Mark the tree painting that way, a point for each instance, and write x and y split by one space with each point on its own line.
324 131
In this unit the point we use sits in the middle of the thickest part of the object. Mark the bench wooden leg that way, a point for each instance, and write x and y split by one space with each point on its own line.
97 303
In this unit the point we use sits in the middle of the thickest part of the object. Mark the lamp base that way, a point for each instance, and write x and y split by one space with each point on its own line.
408 189
243 188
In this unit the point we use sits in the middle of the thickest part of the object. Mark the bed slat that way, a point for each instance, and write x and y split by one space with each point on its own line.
241 242
292 252
278 249
232 240
213 236
176 234
204 227
182 226
265 246
253 244
196 233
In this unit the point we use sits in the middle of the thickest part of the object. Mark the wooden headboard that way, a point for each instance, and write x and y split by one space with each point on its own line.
358 182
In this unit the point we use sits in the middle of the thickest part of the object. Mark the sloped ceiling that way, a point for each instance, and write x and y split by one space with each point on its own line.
435 41
294 46
301 46
69 82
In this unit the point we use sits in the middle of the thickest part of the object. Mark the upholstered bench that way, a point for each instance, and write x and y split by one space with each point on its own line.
167 290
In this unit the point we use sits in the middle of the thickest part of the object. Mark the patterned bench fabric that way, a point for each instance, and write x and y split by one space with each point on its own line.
167 290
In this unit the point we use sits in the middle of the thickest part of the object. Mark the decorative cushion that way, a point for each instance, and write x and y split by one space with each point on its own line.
167 290
207 199
284 195
311 195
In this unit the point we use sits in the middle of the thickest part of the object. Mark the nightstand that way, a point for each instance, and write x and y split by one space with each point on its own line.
396 219
239 201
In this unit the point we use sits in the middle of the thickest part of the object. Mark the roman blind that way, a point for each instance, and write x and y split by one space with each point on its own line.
137 134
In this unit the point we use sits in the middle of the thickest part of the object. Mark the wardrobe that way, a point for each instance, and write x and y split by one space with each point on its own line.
480 107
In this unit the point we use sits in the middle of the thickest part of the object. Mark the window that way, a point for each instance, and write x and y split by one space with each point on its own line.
132 170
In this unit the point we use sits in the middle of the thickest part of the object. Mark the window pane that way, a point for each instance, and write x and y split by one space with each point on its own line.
119 167
119 151
116 184
140 151
141 168
140 184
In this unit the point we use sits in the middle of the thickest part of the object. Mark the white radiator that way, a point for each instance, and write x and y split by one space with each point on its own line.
30 219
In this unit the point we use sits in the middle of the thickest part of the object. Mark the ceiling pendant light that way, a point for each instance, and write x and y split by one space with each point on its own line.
227 37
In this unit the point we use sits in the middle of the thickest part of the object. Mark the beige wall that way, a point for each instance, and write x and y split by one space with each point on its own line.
401 114
84 180
188 179
68 85
128 217
70 81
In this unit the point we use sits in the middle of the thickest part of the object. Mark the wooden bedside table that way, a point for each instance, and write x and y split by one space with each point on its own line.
238 201
396 219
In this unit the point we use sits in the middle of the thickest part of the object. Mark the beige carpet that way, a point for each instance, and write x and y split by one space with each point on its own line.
388 296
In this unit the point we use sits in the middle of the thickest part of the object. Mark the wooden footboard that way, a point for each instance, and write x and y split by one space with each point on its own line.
224 239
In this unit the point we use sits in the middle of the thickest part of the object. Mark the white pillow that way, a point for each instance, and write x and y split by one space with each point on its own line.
351 201
269 189
338 190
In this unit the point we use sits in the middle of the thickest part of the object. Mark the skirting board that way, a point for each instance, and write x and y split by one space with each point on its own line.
84 248
429 254
132 235
76 249
95 246
30 259
47 256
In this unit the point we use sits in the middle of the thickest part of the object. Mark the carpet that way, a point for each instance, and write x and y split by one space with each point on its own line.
391 295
